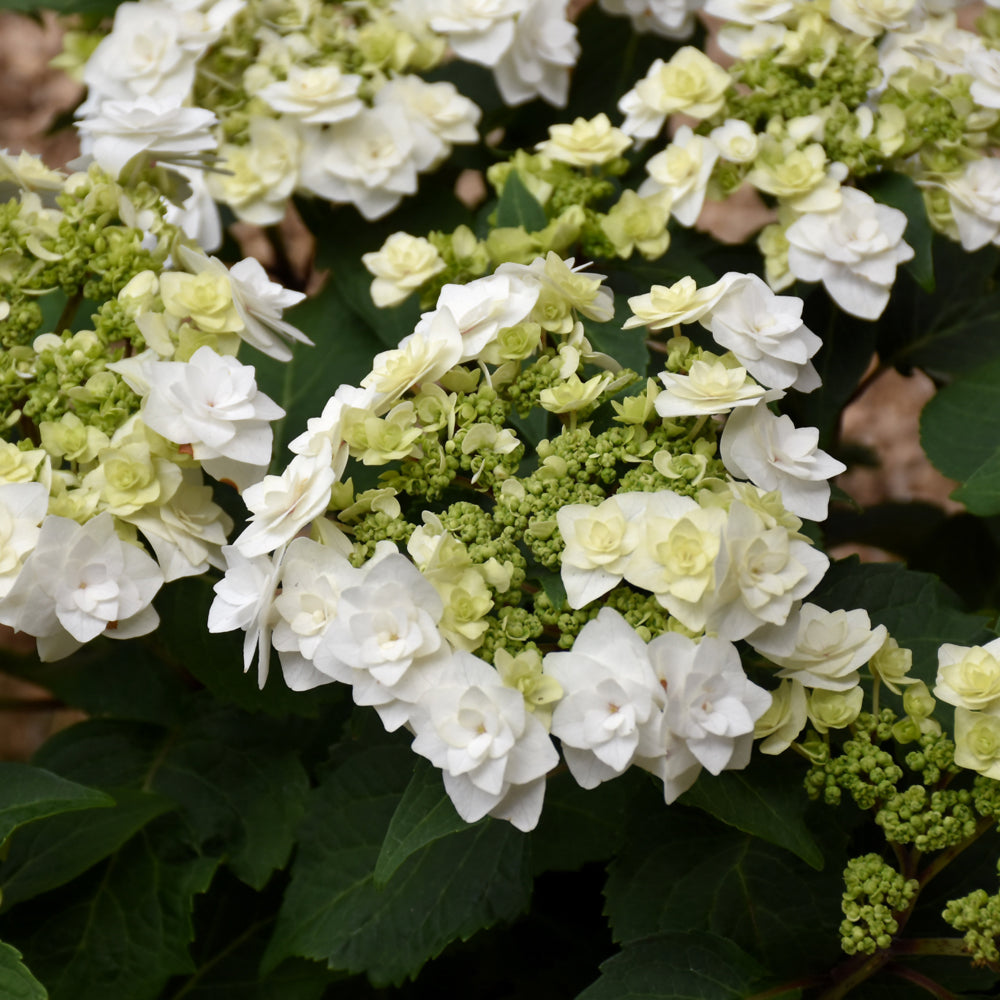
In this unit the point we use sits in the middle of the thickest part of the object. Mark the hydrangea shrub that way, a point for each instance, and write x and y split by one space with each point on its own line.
483 624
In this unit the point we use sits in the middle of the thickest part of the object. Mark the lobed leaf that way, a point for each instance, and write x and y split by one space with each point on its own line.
447 890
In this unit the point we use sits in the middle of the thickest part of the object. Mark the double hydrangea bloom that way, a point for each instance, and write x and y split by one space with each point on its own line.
102 491
430 615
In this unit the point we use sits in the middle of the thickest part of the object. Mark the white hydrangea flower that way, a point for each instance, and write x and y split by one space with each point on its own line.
870 18
675 558
968 677
188 531
710 387
749 12
244 599
736 141
774 454
367 161
854 251
400 266
682 170
821 649
690 82
438 115
142 56
778 727
313 577
765 333
256 179
667 18
281 506
540 56
480 31
22 508
316 95
258 301
608 715
493 752
212 403
682 302
81 581
384 637
481 309
599 544
423 356
710 703
974 196
585 143
761 572
121 130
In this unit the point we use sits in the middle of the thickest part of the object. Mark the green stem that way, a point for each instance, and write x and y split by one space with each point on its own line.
854 972
919 979
945 858
930 946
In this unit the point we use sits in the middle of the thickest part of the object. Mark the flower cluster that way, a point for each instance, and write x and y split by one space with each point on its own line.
555 544
119 389
818 102
322 98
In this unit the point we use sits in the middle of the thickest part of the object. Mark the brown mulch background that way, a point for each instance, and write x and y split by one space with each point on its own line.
32 96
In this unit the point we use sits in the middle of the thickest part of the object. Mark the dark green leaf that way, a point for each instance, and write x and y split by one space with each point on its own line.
917 609
519 207
446 891
28 793
981 491
765 800
122 932
552 584
51 852
960 426
126 679
424 814
626 346
694 966
579 825
16 982
902 193
238 781
679 871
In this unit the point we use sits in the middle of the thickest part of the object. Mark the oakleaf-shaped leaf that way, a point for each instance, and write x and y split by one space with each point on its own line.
694 966
446 891
237 780
765 800
678 870
16 982
124 931
424 814
28 793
